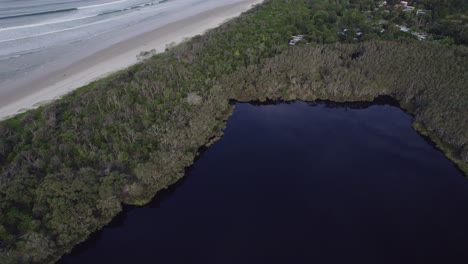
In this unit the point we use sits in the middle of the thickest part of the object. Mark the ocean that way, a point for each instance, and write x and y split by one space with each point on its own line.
29 27
35 34
48 46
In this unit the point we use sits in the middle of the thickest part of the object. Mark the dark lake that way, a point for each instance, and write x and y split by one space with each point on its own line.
301 183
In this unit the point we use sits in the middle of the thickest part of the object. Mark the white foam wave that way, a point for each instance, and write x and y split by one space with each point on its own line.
67 29
61 30
47 23
99 5
79 18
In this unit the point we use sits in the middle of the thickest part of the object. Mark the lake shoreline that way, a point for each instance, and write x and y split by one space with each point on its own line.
436 142
126 137
160 199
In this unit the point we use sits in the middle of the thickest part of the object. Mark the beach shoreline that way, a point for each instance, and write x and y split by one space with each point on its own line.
43 87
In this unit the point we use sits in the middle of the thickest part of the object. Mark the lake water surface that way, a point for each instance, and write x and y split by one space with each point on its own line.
301 183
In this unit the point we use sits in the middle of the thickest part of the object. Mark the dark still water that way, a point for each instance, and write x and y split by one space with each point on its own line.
302 183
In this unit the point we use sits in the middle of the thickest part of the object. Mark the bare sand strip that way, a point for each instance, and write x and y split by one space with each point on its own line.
119 56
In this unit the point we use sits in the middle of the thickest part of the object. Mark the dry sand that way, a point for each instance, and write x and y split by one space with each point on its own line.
53 85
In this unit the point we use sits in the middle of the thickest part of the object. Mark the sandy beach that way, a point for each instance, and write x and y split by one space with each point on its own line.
58 78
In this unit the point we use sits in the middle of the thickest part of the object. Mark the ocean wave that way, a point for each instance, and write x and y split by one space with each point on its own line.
7 57
99 5
76 18
48 23
41 13
129 8
61 30
64 10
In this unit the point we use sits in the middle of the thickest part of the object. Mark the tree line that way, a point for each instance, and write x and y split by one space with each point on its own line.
67 168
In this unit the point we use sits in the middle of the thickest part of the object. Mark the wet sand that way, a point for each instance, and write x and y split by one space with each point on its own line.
58 78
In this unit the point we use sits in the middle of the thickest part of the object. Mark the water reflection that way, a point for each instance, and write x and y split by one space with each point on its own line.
301 183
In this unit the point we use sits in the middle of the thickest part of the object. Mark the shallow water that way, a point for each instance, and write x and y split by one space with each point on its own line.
301 183
30 26
35 33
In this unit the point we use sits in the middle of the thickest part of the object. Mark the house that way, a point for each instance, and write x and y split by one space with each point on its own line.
403 28
420 36
295 39
422 12
408 9
382 3
402 4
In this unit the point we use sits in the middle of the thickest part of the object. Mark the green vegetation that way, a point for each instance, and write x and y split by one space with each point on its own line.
66 168
445 22
428 80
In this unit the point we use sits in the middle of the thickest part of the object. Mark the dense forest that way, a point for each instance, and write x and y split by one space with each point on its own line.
67 167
